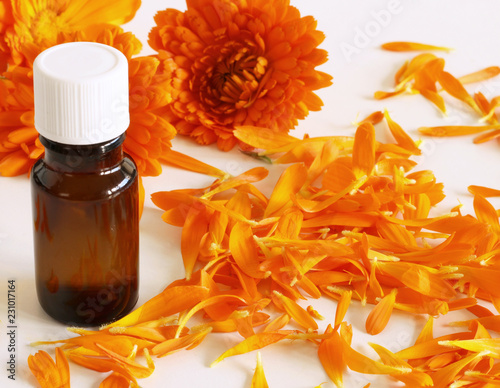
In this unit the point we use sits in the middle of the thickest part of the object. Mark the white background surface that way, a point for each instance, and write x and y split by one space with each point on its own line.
472 28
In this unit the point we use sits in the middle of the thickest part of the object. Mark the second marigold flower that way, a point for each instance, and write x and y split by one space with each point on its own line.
239 63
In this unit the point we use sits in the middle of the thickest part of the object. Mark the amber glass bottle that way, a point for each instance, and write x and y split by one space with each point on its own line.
84 190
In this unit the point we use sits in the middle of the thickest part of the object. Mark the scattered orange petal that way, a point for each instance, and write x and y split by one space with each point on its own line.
330 353
115 380
259 379
297 313
373 118
363 154
412 46
49 373
379 316
455 130
481 75
484 191
257 341
187 162
455 88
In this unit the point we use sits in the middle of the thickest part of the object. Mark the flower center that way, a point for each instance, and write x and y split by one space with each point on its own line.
233 78
44 25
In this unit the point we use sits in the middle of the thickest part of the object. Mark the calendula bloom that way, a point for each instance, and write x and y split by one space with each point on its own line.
32 26
148 136
239 63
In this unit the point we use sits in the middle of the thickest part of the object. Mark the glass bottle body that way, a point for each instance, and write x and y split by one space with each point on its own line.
86 232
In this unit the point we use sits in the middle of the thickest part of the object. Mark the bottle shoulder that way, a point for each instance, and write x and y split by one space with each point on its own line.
85 186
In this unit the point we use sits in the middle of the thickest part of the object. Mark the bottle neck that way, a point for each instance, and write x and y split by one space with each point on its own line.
83 158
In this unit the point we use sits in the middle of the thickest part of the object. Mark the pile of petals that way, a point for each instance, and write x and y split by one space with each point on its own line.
423 73
347 220
27 28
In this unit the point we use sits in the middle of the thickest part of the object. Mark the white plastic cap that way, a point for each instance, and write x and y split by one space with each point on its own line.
81 93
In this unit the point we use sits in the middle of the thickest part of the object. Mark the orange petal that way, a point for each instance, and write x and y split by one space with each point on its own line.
49 373
431 347
120 344
362 364
413 379
101 364
147 333
402 138
186 162
289 183
418 278
380 315
363 153
297 313
381 95
213 300
455 88
171 301
253 175
398 77
325 158
415 65
427 332
373 118
435 98
263 138
338 177
342 306
194 229
481 75
142 195
427 76
97 12
316 206
15 163
332 277
174 344
115 380
244 250
484 191
413 46
447 375
259 379
330 353
137 370
257 341
483 138
456 130
485 212
491 322
485 106
277 323
374 284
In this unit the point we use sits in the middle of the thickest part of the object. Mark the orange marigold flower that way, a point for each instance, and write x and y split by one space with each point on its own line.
36 25
243 62
6 20
148 136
